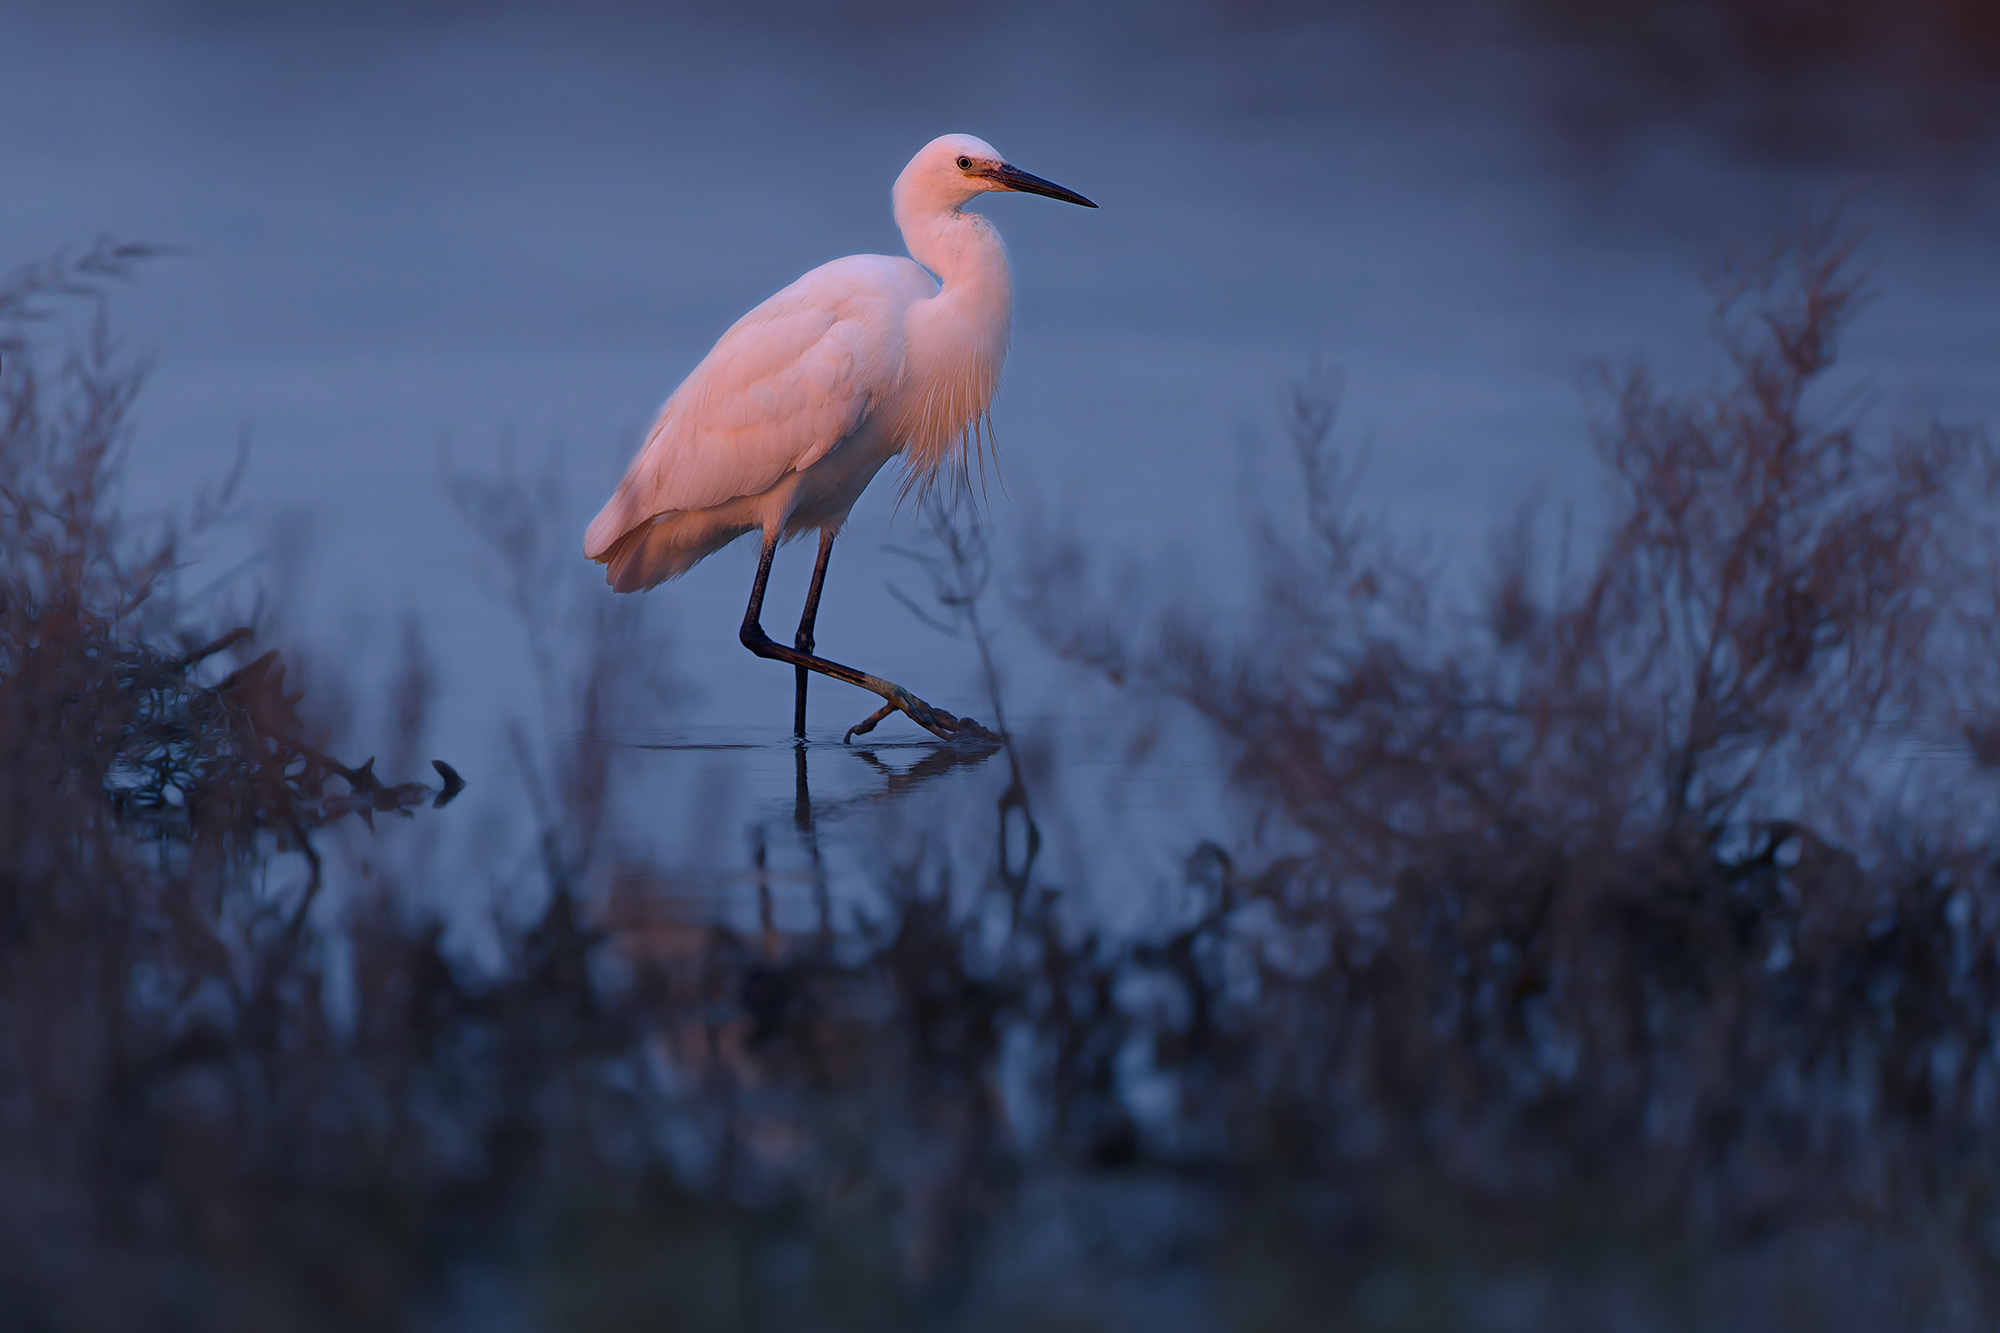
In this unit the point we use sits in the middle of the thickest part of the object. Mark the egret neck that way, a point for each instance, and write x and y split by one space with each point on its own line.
958 339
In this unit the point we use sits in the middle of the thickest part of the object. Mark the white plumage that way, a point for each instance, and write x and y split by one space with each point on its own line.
802 401
797 407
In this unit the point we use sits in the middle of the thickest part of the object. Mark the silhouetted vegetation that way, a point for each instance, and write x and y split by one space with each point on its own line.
1602 958
1621 904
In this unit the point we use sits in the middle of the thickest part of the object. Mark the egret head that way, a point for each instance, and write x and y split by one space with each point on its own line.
954 168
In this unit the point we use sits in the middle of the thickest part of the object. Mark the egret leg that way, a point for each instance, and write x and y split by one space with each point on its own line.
804 640
899 700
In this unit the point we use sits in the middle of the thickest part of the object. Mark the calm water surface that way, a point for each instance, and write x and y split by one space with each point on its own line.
419 240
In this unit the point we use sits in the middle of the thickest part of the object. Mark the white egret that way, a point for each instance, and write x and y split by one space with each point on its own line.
797 407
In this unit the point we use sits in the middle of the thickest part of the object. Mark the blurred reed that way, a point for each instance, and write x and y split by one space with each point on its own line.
1590 971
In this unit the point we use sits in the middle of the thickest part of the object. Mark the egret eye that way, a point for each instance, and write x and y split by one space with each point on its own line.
965 164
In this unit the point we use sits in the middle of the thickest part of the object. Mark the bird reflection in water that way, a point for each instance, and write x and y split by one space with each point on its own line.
896 782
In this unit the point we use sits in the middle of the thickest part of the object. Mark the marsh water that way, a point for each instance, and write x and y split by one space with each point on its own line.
413 242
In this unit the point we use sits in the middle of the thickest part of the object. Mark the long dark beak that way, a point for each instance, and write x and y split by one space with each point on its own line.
1013 178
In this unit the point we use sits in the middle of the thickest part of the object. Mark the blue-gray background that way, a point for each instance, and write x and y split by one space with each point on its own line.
412 229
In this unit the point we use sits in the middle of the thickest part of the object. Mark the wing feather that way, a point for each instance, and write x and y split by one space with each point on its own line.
781 389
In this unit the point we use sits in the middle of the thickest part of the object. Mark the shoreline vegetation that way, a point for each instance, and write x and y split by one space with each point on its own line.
1608 962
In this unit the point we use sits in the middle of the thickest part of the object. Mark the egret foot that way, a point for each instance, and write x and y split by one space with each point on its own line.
934 720
898 700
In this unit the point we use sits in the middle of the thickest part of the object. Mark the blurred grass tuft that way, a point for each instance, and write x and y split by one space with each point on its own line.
1610 970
